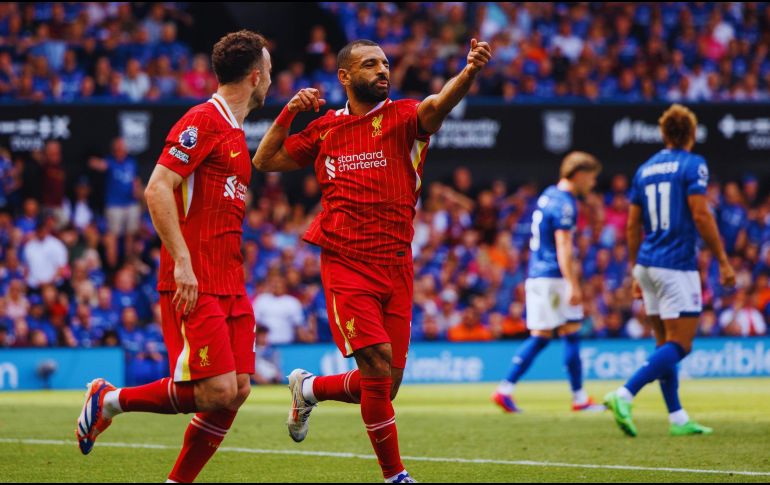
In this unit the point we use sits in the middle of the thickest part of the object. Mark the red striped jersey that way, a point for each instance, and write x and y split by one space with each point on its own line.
370 170
208 149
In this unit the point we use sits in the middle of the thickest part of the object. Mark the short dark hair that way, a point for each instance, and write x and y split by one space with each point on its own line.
343 57
236 54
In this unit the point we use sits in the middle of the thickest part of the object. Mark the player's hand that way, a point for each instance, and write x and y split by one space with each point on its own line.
726 275
574 294
479 56
636 290
186 296
305 100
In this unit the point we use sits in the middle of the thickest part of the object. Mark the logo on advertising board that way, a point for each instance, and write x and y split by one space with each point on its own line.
557 131
28 134
756 131
135 130
459 133
639 132
9 376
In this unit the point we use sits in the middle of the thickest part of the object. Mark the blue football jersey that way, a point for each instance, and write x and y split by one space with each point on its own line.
556 209
660 188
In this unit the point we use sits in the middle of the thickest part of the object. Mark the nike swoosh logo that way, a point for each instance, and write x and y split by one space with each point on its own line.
383 439
233 155
323 136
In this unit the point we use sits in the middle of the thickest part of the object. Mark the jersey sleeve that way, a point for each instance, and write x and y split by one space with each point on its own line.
564 215
188 143
408 109
303 147
696 177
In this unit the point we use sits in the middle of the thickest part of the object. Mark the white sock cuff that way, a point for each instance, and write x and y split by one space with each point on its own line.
580 396
506 387
112 404
625 394
391 479
307 390
679 418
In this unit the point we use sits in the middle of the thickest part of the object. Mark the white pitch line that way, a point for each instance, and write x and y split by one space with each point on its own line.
332 454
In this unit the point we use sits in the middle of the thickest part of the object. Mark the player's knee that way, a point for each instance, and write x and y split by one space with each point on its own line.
243 393
219 394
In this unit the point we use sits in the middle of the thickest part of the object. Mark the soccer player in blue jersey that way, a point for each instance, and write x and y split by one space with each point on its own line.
668 201
553 295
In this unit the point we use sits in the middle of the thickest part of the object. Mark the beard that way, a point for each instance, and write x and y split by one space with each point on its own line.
257 100
369 92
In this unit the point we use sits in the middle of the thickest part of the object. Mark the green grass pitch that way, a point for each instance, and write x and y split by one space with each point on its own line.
435 421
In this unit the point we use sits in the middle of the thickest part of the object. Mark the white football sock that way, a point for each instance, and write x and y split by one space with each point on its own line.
624 394
393 478
506 388
580 396
112 404
679 418
307 390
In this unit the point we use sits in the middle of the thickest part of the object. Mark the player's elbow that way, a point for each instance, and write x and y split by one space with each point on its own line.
261 164
151 192
701 218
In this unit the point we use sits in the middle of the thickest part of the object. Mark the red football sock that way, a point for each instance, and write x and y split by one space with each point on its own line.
202 438
380 421
163 397
341 387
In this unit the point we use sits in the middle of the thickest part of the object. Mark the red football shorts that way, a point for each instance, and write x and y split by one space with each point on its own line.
368 304
217 337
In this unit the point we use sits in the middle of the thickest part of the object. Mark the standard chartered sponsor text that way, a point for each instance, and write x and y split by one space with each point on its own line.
363 160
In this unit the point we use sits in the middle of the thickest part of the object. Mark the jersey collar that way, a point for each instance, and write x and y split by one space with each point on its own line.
346 109
224 109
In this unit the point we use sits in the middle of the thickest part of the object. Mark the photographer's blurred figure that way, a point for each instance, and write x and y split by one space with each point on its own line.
268 365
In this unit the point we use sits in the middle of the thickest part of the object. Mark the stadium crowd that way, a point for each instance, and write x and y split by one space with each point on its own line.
75 271
673 51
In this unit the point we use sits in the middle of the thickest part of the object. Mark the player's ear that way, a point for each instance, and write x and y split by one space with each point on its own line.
344 76
254 77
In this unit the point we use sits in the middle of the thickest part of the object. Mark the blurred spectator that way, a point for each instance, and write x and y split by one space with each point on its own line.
135 84
268 361
281 314
46 256
54 182
742 319
470 328
199 82
122 184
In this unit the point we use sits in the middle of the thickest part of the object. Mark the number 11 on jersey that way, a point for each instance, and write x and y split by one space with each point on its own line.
651 191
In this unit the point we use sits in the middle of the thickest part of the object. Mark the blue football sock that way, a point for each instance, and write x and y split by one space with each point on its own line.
669 386
572 361
525 356
661 361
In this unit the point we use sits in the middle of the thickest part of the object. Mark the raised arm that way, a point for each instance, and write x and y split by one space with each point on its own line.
271 155
435 108
162 204
707 227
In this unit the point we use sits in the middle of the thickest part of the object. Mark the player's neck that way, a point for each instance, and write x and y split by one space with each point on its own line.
237 100
359 108
567 186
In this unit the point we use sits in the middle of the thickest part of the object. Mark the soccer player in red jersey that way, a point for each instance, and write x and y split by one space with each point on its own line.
369 159
196 196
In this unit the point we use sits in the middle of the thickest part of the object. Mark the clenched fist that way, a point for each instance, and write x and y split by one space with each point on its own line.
305 100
